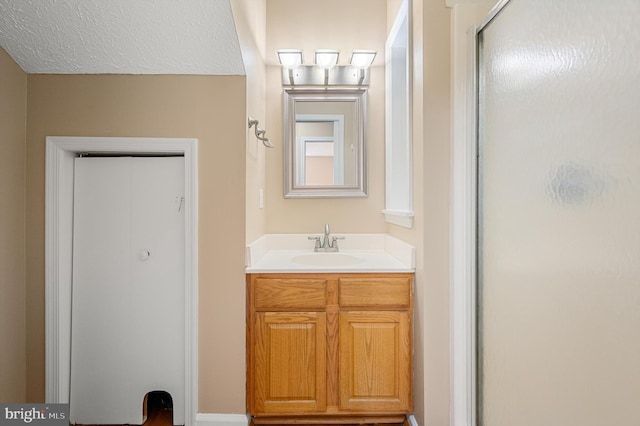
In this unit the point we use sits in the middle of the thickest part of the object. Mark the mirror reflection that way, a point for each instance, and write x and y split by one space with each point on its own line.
324 143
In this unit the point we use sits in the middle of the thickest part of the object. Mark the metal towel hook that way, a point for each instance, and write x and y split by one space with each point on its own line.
259 132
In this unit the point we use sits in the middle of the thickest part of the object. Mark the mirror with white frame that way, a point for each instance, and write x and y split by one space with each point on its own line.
324 143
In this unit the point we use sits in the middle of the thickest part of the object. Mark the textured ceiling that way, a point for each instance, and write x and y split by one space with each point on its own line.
121 36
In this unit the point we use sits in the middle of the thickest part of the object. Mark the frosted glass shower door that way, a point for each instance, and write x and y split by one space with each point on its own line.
559 214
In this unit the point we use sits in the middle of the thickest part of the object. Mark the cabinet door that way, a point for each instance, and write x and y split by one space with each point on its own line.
290 362
375 361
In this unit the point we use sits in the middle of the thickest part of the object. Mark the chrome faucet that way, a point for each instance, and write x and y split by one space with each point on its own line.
326 243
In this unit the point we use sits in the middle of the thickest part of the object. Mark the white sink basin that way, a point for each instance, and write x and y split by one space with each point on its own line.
293 253
327 259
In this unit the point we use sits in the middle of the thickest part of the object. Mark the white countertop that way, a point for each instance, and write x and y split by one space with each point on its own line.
282 253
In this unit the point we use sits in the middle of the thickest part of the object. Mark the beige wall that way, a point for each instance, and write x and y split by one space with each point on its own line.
250 19
430 234
319 171
415 235
210 108
436 178
311 25
13 116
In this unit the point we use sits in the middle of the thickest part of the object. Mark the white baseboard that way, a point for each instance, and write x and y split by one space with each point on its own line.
208 419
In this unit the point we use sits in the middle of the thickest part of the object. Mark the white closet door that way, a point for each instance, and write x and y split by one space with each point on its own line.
128 287
157 283
100 302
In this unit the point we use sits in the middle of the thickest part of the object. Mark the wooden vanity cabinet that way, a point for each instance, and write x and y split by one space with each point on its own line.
329 347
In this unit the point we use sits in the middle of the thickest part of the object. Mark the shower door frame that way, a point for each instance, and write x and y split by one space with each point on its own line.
60 152
464 225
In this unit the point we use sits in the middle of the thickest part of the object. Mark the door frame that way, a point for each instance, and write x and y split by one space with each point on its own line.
464 216
60 152
337 139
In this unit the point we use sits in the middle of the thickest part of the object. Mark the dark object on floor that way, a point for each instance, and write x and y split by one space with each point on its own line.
158 406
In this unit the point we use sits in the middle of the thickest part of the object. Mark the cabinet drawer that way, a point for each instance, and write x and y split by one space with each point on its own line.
375 292
290 293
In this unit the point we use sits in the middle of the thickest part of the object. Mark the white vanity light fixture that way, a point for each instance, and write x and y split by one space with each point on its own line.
362 60
325 71
326 59
290 59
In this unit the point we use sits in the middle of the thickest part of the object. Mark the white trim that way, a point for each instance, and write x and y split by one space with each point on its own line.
60 152
467 22
207 419
398 118
463 221
454 3
338 145
301 159
401 218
